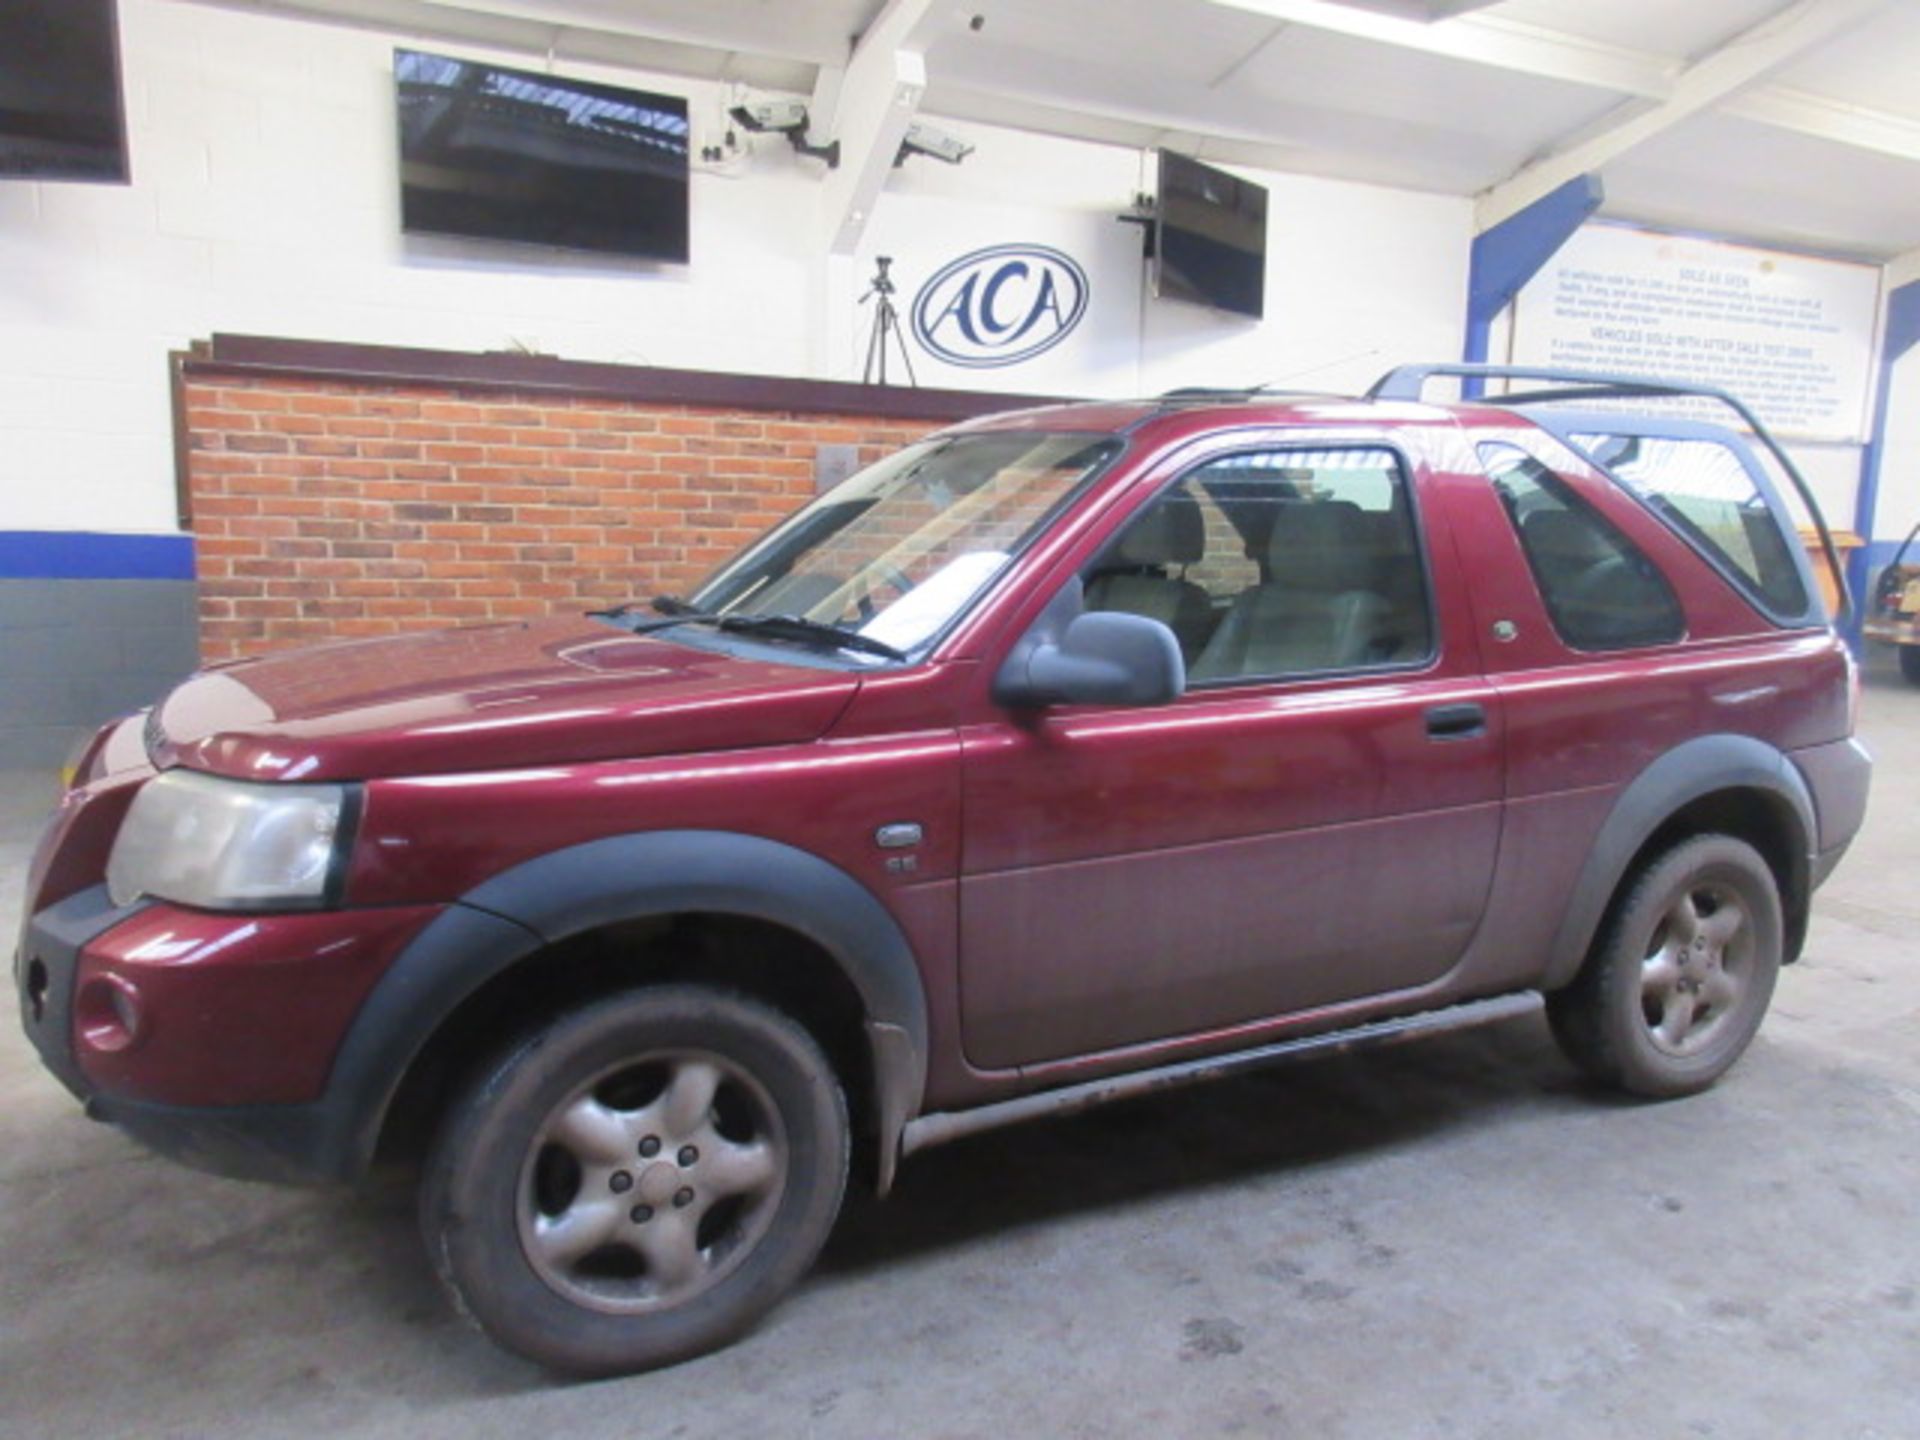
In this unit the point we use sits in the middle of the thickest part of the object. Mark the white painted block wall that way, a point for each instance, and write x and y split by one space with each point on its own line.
265 201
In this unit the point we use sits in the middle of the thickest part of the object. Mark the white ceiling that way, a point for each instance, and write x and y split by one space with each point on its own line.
1820 149
1680 29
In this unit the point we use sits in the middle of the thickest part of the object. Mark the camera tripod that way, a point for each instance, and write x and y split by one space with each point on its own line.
886 328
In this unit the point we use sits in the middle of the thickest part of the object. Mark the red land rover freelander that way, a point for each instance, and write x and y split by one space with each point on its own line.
1061 754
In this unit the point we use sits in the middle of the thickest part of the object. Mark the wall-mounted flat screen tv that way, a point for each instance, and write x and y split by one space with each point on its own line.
498 154
1210 237
61 114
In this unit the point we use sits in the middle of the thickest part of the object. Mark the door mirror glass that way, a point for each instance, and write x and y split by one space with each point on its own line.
1101 658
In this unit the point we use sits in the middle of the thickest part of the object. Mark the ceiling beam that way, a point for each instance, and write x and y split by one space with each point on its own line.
748 28
518 28
1826 119
1518 48
568 29
1212 122
1735 66
1902 270
1117 125
875 101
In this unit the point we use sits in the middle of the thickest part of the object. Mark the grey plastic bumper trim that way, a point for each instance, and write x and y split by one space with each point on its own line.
938 1129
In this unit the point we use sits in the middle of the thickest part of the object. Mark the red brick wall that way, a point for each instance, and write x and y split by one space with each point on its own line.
324 509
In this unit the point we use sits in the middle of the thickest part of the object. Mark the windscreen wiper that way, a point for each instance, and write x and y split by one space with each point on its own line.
675 611
798 627
674 605
671 608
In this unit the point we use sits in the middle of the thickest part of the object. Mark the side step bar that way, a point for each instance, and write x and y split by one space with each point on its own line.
938 1129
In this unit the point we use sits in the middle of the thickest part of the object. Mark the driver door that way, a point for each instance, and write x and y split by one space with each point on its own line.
1312 823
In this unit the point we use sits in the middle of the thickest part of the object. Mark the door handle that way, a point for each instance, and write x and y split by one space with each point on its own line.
1456 722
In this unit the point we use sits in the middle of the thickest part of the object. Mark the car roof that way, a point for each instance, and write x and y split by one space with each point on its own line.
1200 411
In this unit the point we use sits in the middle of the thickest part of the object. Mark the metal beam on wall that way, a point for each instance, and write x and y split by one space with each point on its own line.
1899 335
1511 253
1902 270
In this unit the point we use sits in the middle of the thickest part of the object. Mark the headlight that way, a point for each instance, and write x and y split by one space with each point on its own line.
228 845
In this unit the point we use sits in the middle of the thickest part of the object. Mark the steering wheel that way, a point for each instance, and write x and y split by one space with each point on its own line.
889 575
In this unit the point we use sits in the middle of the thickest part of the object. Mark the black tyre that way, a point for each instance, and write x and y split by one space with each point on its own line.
1910 664
638 1181
1681 973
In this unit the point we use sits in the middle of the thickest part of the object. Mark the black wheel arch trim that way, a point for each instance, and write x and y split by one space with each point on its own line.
629 877
1686 773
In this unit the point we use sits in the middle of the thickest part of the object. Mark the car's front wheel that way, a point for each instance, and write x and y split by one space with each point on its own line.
1680 975
638 1181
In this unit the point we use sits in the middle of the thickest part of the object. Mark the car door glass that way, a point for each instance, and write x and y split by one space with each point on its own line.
1701 489
1277 562
1601 590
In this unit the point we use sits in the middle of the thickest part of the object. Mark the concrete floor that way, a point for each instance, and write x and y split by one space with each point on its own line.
1449 1239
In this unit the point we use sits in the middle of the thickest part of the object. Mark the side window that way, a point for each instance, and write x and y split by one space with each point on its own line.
1701 489
1277 562
1601 591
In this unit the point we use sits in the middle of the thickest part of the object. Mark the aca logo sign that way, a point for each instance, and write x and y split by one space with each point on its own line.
1000 305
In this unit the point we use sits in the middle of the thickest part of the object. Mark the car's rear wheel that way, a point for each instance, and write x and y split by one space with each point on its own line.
1910 664
638 1181
1680 975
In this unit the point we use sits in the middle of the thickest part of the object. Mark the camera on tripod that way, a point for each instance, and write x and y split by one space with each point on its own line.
886 327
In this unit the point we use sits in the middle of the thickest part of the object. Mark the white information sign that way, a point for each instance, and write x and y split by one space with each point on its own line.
1789 334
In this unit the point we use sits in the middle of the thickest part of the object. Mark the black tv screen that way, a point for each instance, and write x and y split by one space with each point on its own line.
500 154
61 114
1210 237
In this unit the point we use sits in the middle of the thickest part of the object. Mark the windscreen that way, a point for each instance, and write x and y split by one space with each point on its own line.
902 549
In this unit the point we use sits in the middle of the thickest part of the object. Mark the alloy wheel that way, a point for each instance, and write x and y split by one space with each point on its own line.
645 1186
1697 968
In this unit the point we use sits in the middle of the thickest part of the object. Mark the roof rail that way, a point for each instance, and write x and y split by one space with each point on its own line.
1208 392
1408 382
1204 394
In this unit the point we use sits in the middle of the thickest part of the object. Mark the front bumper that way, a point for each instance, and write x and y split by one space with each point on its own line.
209 1038
284 1144
43 970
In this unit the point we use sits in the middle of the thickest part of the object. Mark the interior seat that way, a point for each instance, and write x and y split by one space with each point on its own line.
1316 610
1592 589
1564 543
1136 576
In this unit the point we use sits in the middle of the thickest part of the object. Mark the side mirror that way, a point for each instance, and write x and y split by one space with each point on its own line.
1105 657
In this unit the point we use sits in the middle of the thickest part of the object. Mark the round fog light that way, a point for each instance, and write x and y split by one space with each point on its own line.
106 1013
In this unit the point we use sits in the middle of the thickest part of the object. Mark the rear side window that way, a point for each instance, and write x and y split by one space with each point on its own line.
1701 489
1600 589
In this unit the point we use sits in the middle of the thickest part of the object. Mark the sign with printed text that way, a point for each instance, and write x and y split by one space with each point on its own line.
1791 335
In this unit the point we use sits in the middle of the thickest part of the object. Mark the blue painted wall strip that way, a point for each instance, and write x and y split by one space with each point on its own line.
1512 252
1902 334
88 555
